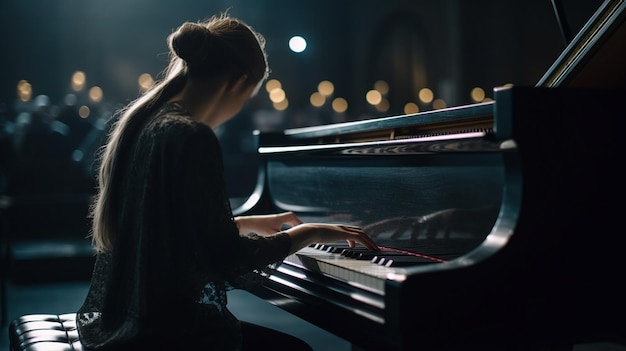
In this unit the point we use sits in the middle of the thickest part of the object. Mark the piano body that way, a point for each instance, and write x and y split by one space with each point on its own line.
499 222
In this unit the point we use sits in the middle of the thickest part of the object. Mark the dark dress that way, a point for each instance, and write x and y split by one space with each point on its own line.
178 249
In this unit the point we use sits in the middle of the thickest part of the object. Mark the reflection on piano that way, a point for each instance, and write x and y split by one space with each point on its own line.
499 222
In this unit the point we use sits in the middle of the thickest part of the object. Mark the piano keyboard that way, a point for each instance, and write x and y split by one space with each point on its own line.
357 266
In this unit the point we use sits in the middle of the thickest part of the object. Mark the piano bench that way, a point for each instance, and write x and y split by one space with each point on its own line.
49 332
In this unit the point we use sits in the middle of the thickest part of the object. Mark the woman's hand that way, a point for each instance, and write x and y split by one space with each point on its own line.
311 233
267 224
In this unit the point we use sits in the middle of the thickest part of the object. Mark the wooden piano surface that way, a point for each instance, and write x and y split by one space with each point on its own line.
514 205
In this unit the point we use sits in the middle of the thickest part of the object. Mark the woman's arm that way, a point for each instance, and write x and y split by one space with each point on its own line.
303 234
266 224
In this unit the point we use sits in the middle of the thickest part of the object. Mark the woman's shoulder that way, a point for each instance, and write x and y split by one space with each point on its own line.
173 129
173 113
174 119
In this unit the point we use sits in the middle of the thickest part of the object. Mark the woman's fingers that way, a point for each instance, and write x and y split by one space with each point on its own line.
309 233
359 236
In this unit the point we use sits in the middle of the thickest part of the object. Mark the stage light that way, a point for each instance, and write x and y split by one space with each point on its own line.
340 105
382 86
317 99
426 95
477 94
410 108
326 88
282 105
383 105
78 80
297 44
95 94
272 84
145 81
439 104
24 90
84 111
277 95
373 97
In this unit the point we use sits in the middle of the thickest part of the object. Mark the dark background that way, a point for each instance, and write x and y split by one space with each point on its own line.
449 46
47 152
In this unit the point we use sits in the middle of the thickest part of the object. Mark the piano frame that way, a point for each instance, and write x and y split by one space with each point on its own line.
547 275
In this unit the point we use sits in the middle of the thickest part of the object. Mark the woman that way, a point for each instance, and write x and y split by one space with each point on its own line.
166 240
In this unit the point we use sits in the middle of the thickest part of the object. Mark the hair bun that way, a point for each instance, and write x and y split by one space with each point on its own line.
191 42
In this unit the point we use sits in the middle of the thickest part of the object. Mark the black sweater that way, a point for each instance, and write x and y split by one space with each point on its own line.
177 249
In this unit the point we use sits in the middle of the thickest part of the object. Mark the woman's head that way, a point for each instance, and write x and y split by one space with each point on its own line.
220 49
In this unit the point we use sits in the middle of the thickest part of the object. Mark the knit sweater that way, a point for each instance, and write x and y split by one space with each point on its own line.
177 249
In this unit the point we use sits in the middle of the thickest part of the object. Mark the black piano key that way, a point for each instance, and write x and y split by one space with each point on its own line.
324 247
347 253
358 253
334 249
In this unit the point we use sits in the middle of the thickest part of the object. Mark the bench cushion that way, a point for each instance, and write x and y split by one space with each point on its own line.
48 332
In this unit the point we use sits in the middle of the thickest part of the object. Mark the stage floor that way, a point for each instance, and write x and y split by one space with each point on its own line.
65 297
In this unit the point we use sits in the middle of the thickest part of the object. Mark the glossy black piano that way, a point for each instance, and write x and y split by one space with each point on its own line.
499 223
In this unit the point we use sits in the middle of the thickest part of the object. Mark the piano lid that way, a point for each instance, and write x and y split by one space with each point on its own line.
594 58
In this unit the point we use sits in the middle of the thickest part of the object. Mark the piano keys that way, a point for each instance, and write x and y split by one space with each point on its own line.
499 222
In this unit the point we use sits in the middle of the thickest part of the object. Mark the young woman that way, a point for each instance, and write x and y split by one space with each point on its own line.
167 244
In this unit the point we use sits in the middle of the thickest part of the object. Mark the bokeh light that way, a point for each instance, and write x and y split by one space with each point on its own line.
317 99
410 108
24 90
79 79
84 111
297 44
373 97
383 105
426 95
382 87
439 104
272 84
340 105
477 94
282 105
326 88
95 94
277 95
145 82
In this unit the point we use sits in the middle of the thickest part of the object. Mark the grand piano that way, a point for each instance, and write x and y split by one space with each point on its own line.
498 222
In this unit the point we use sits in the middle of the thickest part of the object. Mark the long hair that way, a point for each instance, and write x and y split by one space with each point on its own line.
217 50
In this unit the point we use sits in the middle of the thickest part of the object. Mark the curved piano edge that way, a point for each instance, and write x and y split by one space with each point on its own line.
303 209
257 194
254 198
493 243
501 232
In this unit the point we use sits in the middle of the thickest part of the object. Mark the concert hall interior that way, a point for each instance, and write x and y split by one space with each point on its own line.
68 66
